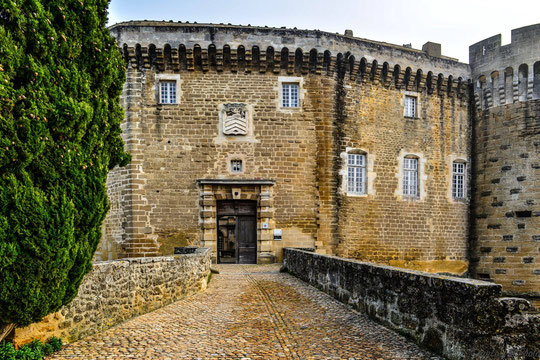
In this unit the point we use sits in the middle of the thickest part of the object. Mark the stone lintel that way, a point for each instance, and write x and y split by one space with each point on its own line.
234 182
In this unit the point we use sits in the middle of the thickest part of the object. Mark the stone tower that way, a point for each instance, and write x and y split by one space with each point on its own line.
505 242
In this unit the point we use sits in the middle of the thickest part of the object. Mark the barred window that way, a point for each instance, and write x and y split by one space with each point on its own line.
410 106
236 166
167 92
290 95
458 180
356 174
410 176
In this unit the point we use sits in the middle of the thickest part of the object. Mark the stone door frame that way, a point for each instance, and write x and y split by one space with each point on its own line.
212 190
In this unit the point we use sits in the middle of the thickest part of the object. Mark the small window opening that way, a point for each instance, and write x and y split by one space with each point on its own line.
410 106
356 174
236 166
410 177
167 92
458 180
290 95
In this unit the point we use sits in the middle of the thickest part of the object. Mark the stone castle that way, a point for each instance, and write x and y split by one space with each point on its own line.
248 140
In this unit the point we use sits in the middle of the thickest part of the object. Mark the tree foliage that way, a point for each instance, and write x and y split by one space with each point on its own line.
61 76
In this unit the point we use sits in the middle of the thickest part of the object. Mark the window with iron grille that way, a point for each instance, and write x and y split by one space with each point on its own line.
167 92
458 180
410 177
290 94
236 166
410 106
356 174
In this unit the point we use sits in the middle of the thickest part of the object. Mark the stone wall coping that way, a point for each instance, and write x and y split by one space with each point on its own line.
199 252
404 272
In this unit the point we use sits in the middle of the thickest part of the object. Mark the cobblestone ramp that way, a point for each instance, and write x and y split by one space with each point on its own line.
249 312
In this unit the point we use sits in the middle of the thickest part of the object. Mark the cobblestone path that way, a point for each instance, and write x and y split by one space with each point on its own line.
249 312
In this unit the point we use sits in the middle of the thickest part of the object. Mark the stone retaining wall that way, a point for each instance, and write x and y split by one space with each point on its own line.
115 291
454 317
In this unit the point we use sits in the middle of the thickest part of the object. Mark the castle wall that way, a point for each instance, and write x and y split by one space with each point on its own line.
183 145
385 227
114 225
294 159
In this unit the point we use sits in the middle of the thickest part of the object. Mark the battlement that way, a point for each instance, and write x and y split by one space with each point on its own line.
204 47
191 34
523 48
291 62
504 74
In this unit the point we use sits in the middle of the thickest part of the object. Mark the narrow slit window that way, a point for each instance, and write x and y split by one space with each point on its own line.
236 166
290 95
410 106
458 180
356 174
167 92
410 177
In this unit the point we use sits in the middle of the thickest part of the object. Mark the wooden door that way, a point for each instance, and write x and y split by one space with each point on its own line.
245 214
246 227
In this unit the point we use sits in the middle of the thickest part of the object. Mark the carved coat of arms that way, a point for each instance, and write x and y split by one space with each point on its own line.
235 119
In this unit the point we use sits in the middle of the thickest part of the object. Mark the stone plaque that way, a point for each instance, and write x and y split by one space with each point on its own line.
235 119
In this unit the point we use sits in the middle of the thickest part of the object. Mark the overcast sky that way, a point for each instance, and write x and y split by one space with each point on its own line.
455 24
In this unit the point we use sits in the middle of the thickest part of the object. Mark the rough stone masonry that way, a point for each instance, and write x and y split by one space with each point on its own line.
386 154
456 318
118 290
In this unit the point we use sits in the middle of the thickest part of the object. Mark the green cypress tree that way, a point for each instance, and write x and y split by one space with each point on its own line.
61 76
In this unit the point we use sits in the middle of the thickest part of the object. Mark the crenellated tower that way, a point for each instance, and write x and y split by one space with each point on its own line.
505 241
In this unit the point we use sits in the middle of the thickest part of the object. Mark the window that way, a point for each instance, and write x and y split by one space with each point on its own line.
458 180
167 92
290 94
410 177
410 106
236 166
356 174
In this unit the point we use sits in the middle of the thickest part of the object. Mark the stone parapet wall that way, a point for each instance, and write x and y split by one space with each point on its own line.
115 291
505 74
145 39
454 317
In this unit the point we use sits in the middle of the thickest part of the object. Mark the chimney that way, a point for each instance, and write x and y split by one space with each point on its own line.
432 49
348 33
